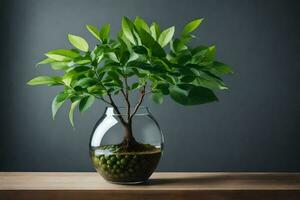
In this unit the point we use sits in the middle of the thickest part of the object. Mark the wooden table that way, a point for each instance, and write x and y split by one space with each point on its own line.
161 186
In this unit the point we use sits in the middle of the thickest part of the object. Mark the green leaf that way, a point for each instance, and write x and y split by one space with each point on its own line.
115 76
71 112
187 94
97 54
74 73
58 102
140 50
149 42
134 57
86 82
187 79
60 66
127 28
182 59
178 45
191 26
210 83
201 95
95 89
86 102
157 98
176 90
78 42
203 55
155 30
82 61
198 49
141 24
62 54
46 61
94 31
210 53
104 32
136 36
163 87
78 69
134 85
166 36
112 56
44 80
124 42
220 68
125 55
168 78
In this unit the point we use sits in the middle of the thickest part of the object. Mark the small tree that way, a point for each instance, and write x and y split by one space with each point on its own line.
141 58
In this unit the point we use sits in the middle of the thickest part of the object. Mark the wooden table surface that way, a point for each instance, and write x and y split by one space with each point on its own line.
206 186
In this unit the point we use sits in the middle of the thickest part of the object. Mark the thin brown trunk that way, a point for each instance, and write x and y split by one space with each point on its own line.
128 140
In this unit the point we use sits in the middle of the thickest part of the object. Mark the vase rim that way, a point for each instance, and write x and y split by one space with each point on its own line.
142 110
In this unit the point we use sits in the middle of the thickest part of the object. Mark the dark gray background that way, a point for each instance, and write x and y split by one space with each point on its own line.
254 127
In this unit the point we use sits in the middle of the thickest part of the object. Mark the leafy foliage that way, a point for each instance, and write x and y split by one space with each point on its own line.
158 63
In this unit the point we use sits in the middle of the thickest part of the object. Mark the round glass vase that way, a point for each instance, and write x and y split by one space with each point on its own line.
126 153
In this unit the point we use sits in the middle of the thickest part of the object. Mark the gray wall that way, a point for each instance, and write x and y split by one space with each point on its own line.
254 127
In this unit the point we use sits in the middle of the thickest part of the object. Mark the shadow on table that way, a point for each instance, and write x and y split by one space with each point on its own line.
215 179
183 180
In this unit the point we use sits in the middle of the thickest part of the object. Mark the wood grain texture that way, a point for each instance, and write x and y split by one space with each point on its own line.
206 186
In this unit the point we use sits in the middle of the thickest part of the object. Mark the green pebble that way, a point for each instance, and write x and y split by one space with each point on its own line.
115 166
104 167
130 170
113 158
110 166
109 162
123 161
118 156
95 159
102 159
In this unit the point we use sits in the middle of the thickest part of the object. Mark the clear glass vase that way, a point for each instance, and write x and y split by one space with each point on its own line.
126 153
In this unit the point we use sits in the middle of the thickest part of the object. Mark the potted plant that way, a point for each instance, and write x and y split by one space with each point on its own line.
126 143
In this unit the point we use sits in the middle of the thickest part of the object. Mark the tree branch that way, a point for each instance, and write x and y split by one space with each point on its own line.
139 102
112 103
127 99
147 92
117 110
101 98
